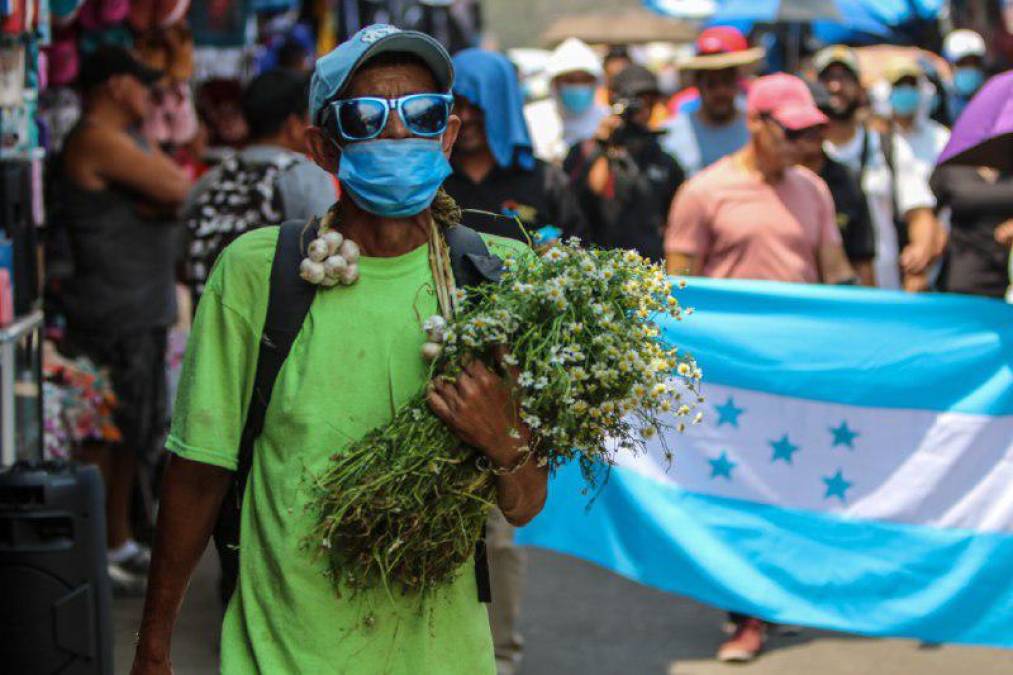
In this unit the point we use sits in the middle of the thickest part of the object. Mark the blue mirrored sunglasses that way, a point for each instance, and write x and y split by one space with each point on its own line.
361 119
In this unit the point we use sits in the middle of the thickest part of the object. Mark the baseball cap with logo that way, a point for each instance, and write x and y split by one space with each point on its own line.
963 43
721 47
841 54
787 99
334 71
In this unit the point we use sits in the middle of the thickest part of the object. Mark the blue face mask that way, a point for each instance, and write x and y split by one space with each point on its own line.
968 80
905 100
393 178
577 99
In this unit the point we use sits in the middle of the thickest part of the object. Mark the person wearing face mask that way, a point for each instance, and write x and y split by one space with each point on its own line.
909 114
494 168
965 51
570 114
908 236
623 179
380 106
716 127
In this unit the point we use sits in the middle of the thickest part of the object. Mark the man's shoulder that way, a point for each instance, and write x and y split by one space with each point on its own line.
805 178
243 269
714 178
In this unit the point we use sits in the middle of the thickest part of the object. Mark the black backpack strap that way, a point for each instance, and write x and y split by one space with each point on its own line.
470 259
472 265
288 302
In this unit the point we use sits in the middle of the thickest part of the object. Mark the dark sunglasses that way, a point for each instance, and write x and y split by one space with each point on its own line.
814 133
361 119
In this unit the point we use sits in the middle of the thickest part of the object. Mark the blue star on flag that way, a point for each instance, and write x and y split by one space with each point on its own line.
722 466
729 413
844 435
837 486
783 449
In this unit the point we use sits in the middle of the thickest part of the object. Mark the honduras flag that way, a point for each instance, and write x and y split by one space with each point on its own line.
853 471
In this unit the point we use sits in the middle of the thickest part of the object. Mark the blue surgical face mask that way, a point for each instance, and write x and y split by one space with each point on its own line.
968 80
393 178
577 99
905 100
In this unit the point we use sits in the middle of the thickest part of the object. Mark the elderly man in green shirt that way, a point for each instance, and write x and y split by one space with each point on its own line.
383 124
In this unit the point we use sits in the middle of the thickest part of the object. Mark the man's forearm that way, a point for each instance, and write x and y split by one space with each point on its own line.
521 495
192 495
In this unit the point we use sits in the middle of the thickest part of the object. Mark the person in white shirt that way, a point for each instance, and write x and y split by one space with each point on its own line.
908 236
909 111
571 113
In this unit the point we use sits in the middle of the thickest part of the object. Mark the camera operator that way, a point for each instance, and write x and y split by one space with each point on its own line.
624 180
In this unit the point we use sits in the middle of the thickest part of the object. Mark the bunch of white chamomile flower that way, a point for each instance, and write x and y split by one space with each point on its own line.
405 504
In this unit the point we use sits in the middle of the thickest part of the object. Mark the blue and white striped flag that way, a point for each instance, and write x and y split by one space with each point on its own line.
854 470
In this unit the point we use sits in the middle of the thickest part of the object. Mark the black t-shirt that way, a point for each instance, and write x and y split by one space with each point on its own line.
977 263
634 210
538 198
852 211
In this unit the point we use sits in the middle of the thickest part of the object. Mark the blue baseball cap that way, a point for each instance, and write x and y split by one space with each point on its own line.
334 71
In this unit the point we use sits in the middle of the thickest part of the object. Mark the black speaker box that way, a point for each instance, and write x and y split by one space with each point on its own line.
54 585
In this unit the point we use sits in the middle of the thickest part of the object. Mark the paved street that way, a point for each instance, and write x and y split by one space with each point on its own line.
579 619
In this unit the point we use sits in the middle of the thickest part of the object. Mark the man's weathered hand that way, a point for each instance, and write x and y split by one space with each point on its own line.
481 409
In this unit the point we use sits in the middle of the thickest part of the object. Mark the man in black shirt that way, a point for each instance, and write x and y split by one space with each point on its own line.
625 182
494 168
852 209
850 204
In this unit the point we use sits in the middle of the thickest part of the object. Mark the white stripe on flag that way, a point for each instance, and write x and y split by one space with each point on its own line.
909 466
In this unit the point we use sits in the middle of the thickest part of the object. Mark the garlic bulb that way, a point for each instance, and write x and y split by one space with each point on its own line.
350 251
312 271
349 275
333 240
334 265
431 351
328 282
435 328
317 251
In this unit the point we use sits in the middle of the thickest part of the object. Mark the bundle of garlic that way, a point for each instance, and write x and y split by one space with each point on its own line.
330 259
405 504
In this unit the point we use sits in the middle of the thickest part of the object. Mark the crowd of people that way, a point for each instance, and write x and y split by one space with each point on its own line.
820 176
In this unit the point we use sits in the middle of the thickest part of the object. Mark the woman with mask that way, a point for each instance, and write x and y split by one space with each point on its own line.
570 114
965 51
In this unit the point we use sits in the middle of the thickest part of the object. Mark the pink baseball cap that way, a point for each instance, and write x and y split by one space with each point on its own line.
787 99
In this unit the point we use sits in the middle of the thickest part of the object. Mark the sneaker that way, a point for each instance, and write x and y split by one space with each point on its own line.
132 557
745 644
125 584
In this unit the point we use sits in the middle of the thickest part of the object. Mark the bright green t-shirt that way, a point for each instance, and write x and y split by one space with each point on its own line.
355 361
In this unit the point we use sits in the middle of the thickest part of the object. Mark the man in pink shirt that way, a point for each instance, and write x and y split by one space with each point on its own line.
755 214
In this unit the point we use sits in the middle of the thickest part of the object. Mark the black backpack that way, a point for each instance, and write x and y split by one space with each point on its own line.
288 303
244 196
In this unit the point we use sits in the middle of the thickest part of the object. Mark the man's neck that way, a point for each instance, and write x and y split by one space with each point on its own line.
906 123
755 162
841 132
815 163
108 114
380 237
710 120
276 141
475 165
